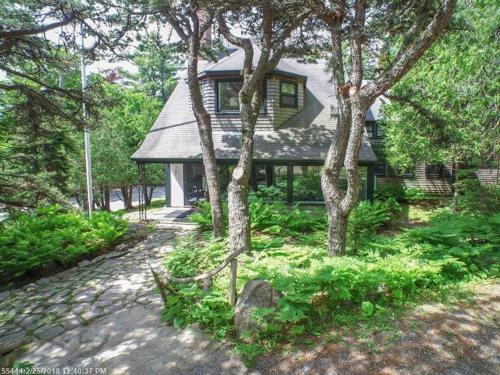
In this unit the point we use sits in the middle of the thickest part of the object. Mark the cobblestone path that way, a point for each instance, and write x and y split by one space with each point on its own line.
105 313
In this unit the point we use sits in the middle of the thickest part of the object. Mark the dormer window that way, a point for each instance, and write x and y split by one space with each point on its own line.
289 94
227 95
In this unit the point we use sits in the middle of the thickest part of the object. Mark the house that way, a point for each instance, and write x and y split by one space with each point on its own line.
435 179
432 178
292 135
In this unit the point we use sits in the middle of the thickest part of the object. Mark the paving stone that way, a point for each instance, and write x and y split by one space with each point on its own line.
92 314
13 341
70 322
83 263
86 296
48 332
31 321
9 329
81 308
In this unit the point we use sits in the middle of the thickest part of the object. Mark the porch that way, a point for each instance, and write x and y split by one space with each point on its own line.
292 181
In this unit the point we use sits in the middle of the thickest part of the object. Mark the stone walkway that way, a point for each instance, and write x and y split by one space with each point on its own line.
106 314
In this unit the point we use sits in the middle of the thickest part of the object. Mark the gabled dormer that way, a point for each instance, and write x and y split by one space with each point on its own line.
283 92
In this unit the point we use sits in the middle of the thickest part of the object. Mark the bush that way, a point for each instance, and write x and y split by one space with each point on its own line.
472 197
366 218
320 290
29 241
402 194
272 217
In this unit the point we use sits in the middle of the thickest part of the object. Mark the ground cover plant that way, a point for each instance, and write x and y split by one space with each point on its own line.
380 275
30 241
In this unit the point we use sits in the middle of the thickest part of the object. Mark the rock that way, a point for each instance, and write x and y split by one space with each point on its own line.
83 263
255 294
136 231
11 342
48 332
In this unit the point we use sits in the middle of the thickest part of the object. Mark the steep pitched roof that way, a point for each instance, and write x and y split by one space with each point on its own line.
304 137
234 63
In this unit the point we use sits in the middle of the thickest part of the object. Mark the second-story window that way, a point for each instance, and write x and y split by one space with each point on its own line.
374 129
288 94
227 95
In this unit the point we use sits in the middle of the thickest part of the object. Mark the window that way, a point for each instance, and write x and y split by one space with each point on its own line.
400 172
288 94
227 92
227 95
379 170
433 171
374 129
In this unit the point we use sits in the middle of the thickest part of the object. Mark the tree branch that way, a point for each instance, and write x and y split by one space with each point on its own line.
409 54
37 30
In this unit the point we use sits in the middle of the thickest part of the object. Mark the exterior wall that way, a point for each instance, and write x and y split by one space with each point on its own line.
438 186
274 116
488 176
177 185
279 115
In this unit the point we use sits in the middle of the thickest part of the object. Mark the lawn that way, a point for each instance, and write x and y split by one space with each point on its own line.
381 275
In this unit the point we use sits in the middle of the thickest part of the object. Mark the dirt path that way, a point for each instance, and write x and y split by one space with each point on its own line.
105 314
463 338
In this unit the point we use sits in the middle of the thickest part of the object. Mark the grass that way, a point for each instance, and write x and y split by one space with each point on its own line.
362 292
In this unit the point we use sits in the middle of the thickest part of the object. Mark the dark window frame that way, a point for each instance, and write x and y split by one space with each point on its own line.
375 127
295 96
234 112
434 171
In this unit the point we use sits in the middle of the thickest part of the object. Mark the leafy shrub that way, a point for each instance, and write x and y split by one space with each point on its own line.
366 218
320 290
29 241
272 217
203 216
402 194
472 197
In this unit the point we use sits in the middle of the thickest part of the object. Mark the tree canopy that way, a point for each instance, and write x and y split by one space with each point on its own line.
446 108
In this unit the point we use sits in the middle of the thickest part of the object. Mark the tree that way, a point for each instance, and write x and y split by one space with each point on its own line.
36 36
157 64
190 20
446 109
123 126
271 24
393 33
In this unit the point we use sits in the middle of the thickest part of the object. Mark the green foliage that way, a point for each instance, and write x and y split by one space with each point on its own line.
366 218
191 305
472 197
269 217
28 241
384 275
403 194
443 108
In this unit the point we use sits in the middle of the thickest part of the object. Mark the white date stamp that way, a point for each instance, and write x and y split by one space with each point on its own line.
68 370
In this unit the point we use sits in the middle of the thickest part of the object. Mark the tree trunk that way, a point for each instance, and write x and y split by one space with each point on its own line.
337 230
126 191
149 194
205 130
107 200
334 161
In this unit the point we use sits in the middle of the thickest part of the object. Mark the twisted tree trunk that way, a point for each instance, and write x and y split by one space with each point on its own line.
205 130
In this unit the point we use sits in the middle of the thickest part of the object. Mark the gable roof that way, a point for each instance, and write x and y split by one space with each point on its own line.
304 137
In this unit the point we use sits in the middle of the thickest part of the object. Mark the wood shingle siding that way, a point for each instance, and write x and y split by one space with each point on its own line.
302 134
435 185
488 176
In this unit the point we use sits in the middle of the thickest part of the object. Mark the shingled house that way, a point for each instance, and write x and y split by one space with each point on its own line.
293 132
